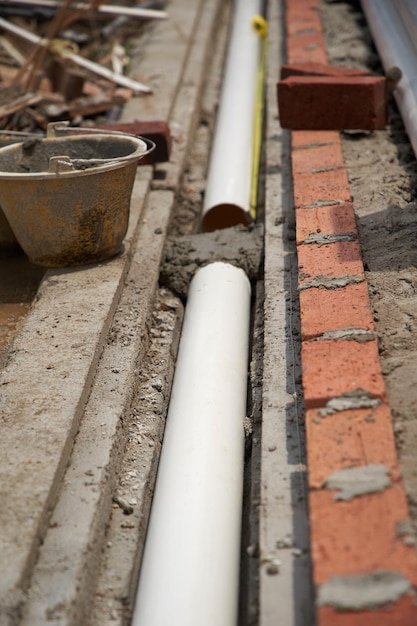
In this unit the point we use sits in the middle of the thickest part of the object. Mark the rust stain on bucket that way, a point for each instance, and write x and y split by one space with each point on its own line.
77 211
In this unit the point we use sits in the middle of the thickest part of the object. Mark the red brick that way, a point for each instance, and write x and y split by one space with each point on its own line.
158 132
332 103
301 6
317 157
302 23
333 309
332 220
305 138
319 69
329 261
306 47
349 439
402 613
360 535
330 187
332 368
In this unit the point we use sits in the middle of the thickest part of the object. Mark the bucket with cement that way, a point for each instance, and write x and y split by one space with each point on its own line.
67 196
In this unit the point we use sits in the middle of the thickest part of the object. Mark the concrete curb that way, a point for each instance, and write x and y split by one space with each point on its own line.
363 553
285 591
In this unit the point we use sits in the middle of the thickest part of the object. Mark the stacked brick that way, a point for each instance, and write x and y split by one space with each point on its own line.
363 552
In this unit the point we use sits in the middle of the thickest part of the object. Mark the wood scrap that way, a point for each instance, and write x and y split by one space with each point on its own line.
103 9
95 68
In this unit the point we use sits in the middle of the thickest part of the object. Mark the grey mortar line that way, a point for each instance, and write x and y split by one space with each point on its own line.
316 144
322 203
405 531
318 170
350 333
332 282
352 482
359 592
351 400
322 239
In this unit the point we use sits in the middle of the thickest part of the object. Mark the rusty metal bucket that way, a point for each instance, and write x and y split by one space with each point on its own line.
67 196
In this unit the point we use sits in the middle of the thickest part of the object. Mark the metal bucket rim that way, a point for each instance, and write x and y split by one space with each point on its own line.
142 149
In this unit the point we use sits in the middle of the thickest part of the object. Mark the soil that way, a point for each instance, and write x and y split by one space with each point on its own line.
382 172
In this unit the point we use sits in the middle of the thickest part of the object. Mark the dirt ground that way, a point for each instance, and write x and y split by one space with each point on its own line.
383 179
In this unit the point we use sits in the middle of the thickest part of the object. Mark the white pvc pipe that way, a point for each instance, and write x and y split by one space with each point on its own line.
395 48
229 179
190 569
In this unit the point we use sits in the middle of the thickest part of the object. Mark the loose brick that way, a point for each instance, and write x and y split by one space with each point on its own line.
319 69
333 309
361 535
332 368
332 219
332 103
330 187
317 158
158 132
330 261
309 138
349 438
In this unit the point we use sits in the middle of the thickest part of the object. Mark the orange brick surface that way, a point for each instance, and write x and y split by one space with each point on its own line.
349 439
333 367
330 187
363 531
317 158
331 219
335 259
324 310
304 138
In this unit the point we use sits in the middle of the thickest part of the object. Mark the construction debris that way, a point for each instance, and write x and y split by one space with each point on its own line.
47 71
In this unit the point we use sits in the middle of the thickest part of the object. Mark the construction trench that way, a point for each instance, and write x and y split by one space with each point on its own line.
326 523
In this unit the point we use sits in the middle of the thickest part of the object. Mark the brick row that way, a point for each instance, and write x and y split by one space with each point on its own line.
363 553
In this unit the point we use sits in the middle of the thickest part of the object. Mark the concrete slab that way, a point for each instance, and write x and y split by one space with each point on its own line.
77 355
285 593
63 581
44 388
